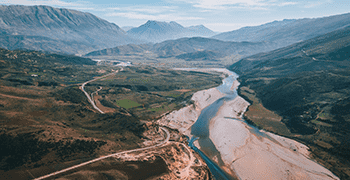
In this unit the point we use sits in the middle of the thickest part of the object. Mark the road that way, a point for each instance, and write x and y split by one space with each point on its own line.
88 96
166 140
111 155
92 94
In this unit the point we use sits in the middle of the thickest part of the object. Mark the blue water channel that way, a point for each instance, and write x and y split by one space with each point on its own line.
200 130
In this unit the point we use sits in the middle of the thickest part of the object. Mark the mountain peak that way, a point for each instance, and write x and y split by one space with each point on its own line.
59 27
157 31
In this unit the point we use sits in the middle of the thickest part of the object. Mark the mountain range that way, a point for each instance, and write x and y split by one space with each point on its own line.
73 32
325 52
296 68
288 31
156 31
308 85
194 48
57 30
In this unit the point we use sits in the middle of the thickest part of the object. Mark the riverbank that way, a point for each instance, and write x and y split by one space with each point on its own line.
243 148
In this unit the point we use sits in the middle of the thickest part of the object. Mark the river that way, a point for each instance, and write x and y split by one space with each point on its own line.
200 130
227 141
231 147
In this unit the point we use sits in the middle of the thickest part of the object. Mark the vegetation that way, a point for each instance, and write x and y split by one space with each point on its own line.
26 149
308 85
165 90
47 121
125 103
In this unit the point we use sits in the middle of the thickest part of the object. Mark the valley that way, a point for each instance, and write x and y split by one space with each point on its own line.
82 98
49 113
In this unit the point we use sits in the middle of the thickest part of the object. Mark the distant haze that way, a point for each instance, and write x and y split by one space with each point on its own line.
156 31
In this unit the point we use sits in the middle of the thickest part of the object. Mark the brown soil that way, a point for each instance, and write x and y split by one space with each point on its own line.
184 90
100 106
112 169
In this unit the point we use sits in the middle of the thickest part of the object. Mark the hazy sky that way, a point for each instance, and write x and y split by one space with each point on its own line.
218 15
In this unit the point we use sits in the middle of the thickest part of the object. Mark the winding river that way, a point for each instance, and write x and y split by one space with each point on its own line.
200 130
244 151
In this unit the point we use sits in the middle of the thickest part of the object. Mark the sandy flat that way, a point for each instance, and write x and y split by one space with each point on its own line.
256 154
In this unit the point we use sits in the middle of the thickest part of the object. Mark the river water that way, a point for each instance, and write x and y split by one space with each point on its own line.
272 156
200 130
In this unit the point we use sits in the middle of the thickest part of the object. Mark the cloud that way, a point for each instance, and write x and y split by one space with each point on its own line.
316 4
224 27
41 2
151 9
163 17
237 4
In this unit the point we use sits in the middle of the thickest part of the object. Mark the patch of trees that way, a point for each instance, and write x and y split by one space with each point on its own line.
23 149
67 149
71 94
18 150
24 82
118 123
44 83
17 56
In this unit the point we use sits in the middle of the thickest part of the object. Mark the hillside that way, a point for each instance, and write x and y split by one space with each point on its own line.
156 31
288 31
308 85
329 51
182 47
61 30
47 123
122 50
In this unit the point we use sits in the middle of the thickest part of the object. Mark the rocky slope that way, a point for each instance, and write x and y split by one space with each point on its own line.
60 30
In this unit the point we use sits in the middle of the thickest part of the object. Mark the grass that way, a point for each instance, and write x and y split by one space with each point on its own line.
163 108
140 80
261 116
174 95
127 104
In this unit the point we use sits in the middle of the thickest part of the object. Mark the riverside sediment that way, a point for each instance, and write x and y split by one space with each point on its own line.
251 153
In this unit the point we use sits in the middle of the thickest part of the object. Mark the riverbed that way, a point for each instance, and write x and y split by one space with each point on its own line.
216 127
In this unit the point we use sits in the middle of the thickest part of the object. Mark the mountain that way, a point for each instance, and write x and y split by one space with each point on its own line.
60 30
127 28
202 30
308 85
287 32
329 51
199 56
189 45
156 31
122 50
194 48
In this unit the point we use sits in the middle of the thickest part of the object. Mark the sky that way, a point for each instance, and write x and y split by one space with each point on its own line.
217 15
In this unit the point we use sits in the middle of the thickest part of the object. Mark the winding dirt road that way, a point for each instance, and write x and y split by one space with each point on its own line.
111 155
166 140
88 96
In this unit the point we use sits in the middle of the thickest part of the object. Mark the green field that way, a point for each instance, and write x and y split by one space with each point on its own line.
127 104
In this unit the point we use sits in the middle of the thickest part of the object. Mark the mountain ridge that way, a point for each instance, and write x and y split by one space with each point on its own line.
288 31
183 46
158 31
61 25
308 85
